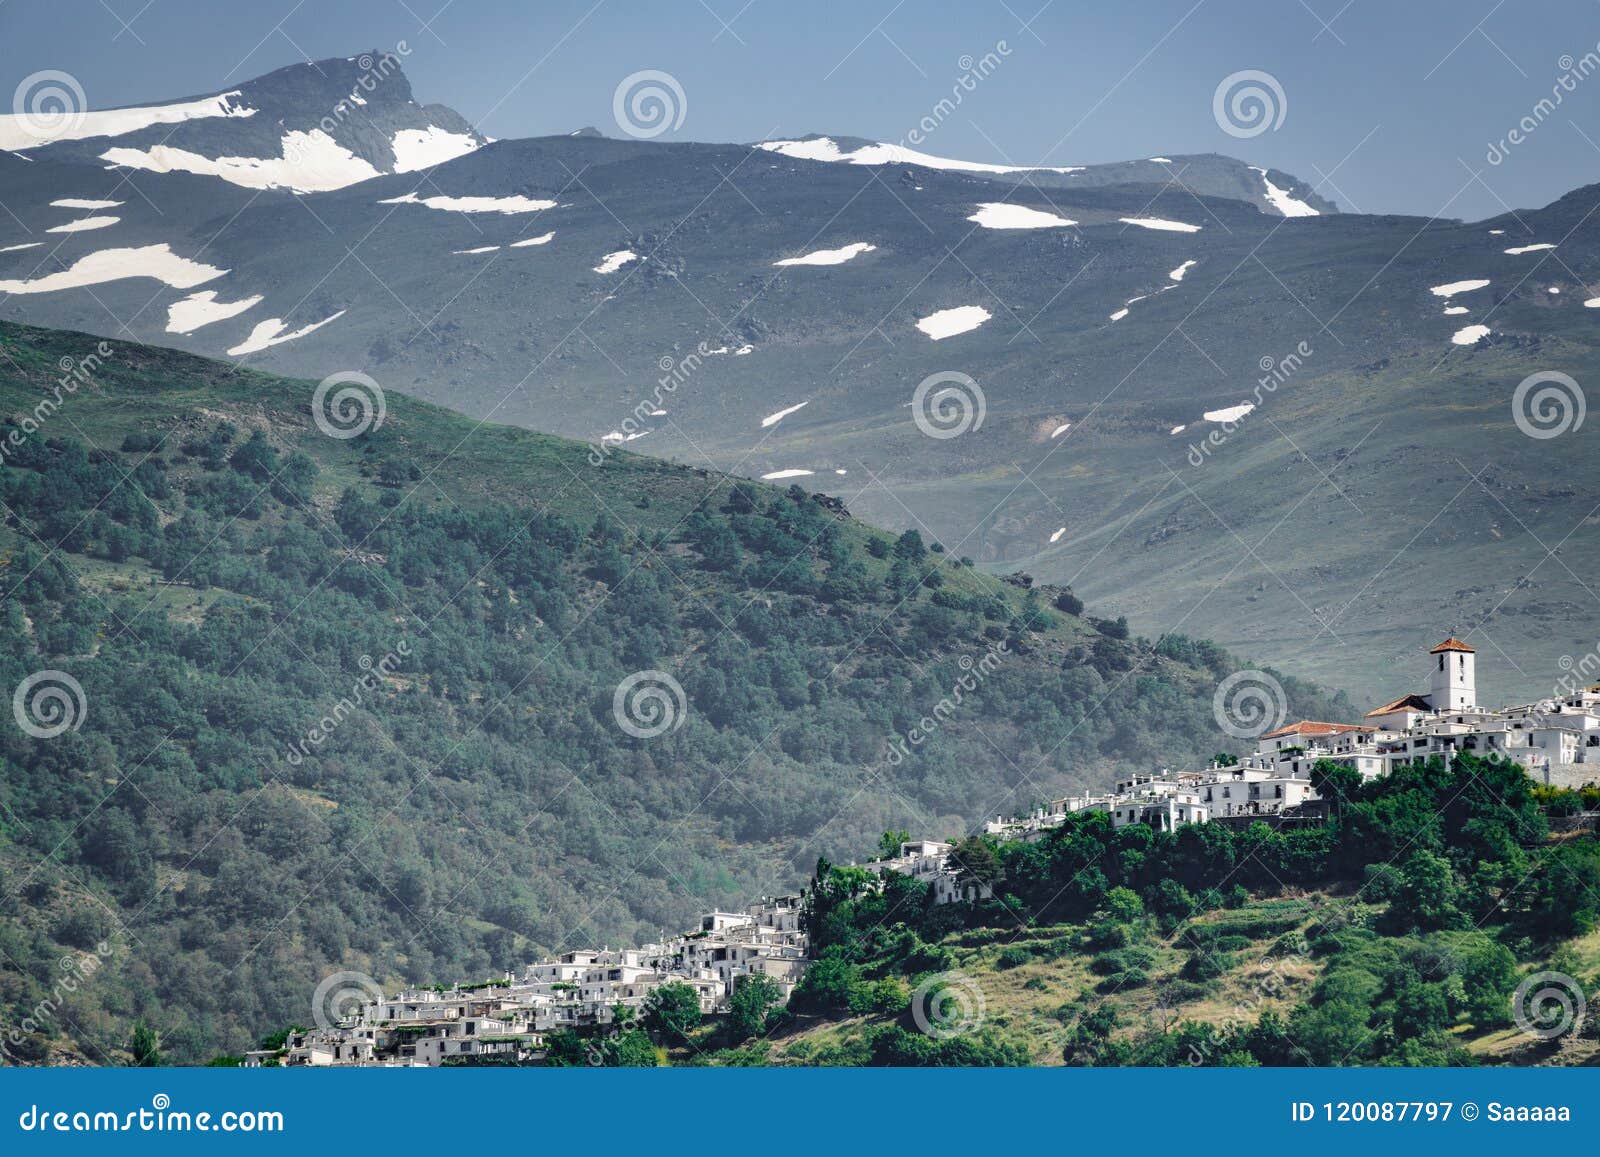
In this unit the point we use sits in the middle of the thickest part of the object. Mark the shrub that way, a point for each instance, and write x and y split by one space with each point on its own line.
1014 956
1105 934
1132 978
1206 965
1121 960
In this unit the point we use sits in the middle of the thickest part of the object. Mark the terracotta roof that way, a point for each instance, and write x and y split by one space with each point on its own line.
1405 702
1312 727
1453 644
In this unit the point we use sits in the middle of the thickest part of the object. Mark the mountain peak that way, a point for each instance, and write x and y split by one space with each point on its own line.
307 127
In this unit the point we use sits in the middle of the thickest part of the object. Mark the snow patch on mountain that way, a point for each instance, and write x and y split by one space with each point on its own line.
1471 335
825 149
949 322
506 205
1454 287
1002 215
774 419
612 262
1229 413
83 224
542 239
24 245
1160 223
203 308
32 131
271 332
1520 249
1177 274
777 474
423 148
312 162
829 256
154 261
1280 199
83 203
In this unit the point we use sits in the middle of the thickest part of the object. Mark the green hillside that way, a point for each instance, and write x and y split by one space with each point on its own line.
348 703
1432 919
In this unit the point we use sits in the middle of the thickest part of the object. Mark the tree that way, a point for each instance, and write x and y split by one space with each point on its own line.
828 985
256 458
672 1011
1428 898
1123 905
1338 783
754 996
909 546
889 844
975 862
144 1047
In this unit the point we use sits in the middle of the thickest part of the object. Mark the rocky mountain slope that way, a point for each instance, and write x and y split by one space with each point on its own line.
1300 435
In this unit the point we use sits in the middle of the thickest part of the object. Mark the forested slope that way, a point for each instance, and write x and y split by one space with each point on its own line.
348 702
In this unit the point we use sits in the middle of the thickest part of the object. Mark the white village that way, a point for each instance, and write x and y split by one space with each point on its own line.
1556 740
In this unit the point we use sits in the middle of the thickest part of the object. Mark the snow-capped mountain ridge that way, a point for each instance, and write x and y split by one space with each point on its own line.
306 128
1273 192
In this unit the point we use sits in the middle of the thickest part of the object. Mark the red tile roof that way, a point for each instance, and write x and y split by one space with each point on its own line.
1453 644
1406 702
1312 727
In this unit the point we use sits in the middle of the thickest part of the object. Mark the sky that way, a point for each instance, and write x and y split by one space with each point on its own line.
1385 107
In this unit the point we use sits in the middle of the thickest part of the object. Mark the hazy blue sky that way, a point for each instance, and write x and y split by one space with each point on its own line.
1390 106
